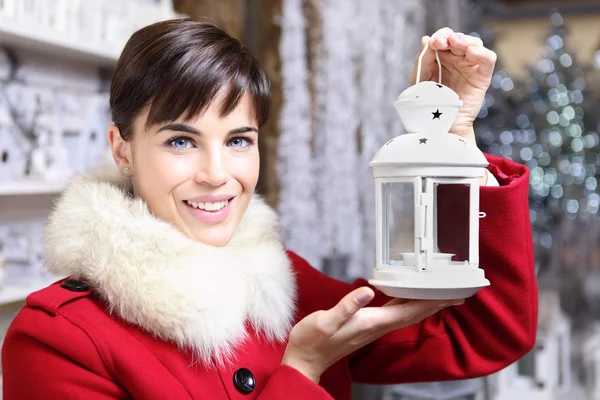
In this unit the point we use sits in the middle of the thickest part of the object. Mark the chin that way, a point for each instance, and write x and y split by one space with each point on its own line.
216 236
215 241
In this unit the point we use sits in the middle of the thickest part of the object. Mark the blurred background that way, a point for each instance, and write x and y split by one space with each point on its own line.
336 66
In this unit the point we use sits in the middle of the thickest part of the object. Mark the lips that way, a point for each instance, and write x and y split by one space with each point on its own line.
210 212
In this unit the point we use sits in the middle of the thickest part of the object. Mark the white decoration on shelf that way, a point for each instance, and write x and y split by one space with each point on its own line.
95 118
5 66
12 145
8 8
297 206
21 243
65 130
39 157
92 30
335 134
59 169
16 248
22 101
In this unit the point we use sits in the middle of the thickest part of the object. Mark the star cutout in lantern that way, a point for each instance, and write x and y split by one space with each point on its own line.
423 141
437 114
438 85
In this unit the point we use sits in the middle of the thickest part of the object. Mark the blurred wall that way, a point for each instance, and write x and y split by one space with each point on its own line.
519 41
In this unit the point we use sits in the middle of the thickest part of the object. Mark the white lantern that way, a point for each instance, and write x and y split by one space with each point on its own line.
409 171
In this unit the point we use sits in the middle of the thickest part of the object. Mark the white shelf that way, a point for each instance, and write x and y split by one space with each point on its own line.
56 43
17 293
31 188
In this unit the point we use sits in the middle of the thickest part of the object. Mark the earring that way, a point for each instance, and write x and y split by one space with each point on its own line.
126 170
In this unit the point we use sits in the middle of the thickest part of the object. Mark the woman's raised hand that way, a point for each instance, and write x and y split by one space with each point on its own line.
467 68
324 337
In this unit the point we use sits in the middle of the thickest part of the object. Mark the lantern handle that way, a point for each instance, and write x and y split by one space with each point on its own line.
437 57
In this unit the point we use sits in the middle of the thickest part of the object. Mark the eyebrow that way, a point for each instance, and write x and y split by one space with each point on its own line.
194 131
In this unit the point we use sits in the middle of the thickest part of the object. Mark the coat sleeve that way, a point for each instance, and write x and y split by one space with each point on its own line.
47 357
494 328
288 383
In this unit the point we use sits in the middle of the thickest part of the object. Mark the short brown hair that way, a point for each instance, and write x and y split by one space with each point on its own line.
178 67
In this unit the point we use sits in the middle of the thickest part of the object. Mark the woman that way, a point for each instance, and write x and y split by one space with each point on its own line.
180 287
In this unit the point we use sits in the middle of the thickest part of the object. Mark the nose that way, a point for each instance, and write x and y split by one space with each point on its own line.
213 170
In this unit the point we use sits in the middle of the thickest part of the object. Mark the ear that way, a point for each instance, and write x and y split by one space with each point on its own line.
121 150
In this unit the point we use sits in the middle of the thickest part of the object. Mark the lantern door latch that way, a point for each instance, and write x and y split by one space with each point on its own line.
421 210
426 199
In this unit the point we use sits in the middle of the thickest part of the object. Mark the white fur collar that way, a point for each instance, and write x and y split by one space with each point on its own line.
194 295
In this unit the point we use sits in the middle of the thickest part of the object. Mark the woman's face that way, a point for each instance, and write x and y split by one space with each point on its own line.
198 175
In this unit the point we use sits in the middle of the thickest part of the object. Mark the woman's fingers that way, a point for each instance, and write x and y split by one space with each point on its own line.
411 312
485 58
443 33
462 41
345 309
460 50
439 43
395 301
439 40
456 43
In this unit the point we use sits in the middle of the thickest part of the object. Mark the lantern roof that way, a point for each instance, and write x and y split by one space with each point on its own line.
445 149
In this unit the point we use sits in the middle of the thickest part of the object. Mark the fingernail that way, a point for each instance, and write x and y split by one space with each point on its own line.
451 303
363 298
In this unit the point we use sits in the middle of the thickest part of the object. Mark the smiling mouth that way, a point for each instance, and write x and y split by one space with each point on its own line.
210 212
209 206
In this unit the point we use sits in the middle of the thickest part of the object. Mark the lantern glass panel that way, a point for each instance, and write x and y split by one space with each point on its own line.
399 221
451 219
452 222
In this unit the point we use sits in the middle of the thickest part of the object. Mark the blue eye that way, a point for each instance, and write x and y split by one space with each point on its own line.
180 143
240 142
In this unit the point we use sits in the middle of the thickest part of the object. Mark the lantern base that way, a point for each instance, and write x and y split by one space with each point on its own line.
408 283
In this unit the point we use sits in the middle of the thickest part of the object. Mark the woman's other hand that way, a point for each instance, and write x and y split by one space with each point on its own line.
324 337
467 68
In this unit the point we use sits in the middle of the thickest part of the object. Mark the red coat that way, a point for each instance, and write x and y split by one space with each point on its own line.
64 344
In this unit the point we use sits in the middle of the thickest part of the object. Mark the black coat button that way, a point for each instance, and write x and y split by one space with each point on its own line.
75 286
244 381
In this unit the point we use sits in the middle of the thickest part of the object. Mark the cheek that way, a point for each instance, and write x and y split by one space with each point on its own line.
246 169
176 168
160 172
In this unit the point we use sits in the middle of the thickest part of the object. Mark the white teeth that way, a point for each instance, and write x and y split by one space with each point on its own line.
208 206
